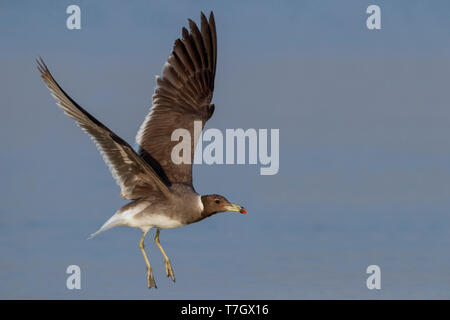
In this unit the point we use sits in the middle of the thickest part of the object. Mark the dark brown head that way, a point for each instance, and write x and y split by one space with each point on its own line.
213 203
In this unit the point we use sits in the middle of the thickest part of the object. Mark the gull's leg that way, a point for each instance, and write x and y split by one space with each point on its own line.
169 271
150 279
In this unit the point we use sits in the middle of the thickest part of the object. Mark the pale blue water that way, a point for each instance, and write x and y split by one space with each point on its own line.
364 151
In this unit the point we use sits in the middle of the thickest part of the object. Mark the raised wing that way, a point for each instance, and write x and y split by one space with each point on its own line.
134 176
182 96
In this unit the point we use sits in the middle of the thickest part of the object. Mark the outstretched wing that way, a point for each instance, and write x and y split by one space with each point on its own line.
134 176
182 96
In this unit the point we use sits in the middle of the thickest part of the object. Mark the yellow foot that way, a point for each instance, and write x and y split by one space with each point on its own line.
169 270
150 280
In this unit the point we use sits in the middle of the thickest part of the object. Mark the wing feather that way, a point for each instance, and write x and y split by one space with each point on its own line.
134 175
183 94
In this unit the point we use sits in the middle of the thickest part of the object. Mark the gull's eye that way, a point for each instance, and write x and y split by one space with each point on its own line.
217 201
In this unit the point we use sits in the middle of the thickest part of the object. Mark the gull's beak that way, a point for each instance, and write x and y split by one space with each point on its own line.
236 208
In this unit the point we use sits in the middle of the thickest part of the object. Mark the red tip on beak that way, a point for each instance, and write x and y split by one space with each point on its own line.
243 211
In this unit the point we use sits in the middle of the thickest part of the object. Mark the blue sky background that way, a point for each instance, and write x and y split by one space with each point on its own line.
364 174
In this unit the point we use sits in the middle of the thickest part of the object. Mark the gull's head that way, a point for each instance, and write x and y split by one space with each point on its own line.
214 203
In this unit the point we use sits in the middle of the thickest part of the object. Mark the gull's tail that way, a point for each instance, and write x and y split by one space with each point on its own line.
112 222
123 216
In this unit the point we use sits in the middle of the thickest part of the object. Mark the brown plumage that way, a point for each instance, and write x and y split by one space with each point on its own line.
182 96
162 191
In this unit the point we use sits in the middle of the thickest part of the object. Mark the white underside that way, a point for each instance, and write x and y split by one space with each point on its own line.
154 220
145 223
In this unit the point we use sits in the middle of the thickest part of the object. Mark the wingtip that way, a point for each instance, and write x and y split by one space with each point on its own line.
41 66
185 33
192 25
203 16
203 19
41 62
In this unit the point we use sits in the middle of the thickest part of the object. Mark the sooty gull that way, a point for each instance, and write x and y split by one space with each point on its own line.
161 190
